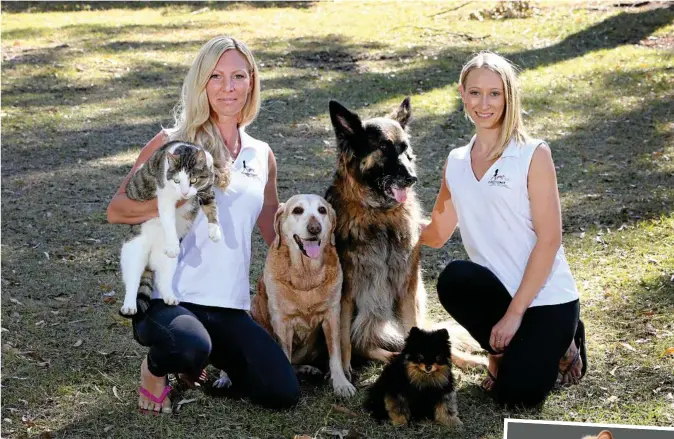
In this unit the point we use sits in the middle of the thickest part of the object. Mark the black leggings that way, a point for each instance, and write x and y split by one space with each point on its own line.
477 300
185 338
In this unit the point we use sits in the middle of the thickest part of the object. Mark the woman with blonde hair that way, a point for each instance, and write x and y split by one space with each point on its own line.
220 97
516 296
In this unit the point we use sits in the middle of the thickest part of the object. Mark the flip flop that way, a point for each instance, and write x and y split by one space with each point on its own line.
156 399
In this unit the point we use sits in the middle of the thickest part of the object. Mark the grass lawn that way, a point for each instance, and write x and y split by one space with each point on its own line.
83 88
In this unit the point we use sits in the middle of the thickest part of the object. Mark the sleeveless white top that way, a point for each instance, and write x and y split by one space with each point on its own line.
495 220
217 273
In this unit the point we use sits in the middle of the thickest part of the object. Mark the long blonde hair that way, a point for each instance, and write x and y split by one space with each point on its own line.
512 126
193 113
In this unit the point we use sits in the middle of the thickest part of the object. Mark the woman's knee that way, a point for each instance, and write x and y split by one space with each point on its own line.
523 389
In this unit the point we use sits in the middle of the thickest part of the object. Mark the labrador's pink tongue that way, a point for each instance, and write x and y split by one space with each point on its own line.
400 194
312 249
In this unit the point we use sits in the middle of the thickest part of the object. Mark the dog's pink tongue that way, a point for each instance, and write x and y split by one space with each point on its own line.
400 194
312 249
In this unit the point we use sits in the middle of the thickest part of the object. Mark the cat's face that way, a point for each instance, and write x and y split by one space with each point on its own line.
189 170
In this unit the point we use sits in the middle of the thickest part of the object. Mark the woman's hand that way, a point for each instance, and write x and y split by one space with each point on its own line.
504 331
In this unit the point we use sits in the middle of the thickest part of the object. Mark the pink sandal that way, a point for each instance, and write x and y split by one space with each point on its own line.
157 400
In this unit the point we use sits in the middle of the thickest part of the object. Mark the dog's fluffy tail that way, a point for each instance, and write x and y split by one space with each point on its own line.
368 330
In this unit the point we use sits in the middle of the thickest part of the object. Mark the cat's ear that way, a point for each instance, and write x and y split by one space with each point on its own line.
605 435
278 217
403 113
173 160
201 156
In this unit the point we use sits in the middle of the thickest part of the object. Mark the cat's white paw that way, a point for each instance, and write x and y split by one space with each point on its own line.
214 232
170 299
171 249
128 310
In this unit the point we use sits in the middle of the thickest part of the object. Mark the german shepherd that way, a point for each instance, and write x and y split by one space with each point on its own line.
377 233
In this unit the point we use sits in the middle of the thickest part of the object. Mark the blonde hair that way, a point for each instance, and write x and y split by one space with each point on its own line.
512 126
193 113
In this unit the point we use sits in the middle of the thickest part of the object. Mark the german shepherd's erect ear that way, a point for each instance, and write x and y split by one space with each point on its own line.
403 113
347 124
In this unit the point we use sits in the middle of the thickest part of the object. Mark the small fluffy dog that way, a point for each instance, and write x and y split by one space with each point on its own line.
300 290
605 434
418 383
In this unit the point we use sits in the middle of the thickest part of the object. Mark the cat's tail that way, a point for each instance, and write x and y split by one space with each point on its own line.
146 283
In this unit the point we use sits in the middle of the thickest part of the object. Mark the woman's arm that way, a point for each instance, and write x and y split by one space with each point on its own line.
122 209
265 222
443 218
547 221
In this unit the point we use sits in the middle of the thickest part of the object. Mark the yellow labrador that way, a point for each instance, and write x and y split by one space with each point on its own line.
300 291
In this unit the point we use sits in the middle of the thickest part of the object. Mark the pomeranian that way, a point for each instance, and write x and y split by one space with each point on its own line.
602 435
418 383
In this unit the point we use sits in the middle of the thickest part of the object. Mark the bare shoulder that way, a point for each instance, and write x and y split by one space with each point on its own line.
541 161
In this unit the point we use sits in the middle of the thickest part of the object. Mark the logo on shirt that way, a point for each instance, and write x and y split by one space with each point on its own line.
248 171
499 180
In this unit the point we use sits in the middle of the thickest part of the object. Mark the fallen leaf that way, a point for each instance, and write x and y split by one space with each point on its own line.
669 351
611 399
612 372
11 299
46 254
302 436
114 392
110 300
186 401
627 346
78 343
342 409
40 323
27 421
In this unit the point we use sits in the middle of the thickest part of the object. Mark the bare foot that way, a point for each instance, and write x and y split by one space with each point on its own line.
570 366
155 385
492 369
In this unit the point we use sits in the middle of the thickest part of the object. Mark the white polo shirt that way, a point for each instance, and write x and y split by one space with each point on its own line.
217 273
495 220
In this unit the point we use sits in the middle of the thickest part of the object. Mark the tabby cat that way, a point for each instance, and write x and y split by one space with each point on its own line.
176 171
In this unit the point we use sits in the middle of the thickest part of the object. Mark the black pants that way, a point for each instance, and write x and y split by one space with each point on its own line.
187 337
477 300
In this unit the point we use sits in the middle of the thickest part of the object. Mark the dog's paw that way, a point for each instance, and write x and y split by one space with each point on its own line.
308 370
224 382
170 299
343 388
128 310
172 248
347 370
214 232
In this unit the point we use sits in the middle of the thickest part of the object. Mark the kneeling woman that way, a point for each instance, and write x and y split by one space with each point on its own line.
516 296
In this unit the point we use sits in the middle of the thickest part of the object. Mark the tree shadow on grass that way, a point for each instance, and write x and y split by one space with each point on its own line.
617 30
77 6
